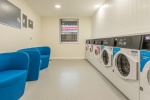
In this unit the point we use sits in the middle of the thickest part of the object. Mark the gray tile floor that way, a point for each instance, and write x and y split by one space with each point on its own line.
71 80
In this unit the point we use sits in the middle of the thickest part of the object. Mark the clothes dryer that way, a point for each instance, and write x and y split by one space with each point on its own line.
126 59
106 57
145 69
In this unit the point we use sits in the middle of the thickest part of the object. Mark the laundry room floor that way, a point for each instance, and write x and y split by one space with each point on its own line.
71 80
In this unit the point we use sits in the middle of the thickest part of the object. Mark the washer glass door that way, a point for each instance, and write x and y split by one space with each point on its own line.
148 76
91 50
96 52
105 57
123 65
87 48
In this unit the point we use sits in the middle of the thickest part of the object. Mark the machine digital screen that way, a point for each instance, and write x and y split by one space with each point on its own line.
147 37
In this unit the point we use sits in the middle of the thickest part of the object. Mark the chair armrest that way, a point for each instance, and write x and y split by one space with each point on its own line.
14 61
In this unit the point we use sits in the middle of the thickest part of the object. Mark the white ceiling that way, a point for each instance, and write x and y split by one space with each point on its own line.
69 7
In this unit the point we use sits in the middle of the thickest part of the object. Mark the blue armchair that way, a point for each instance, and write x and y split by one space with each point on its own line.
45 56
13 74
34 64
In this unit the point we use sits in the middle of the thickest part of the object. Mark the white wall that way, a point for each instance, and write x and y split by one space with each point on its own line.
50 37
12 39
121 17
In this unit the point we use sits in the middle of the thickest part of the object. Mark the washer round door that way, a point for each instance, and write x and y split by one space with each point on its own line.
96 52
123 65
148 76
105 57
91 49
87 48
91 52
126 66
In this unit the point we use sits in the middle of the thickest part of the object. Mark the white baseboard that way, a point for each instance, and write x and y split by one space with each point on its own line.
68 58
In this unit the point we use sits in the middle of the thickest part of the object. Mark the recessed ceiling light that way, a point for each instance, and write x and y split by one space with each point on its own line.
97 6
57 6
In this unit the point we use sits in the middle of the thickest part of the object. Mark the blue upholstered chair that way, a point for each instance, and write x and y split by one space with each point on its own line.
13 74
34 64
45 56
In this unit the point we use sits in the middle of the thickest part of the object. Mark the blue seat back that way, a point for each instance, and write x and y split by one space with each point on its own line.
14 61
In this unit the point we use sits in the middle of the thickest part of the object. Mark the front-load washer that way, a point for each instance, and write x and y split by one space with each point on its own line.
91 51
145 68
126 60
87 49
97 43
106 57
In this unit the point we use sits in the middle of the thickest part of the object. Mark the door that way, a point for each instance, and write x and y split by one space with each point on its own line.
87 51
96 52
125 66
91 52
106 57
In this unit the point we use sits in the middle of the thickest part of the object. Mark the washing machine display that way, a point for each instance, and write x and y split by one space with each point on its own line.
145 69
126 59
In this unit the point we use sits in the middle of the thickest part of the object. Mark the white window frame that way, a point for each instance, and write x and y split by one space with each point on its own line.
69 19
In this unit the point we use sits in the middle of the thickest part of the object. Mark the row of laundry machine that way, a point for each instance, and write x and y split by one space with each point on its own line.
124 61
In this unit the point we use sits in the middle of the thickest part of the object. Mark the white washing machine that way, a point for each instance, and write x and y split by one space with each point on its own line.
126 60
106 57
97 43
145 69
87 49
91 51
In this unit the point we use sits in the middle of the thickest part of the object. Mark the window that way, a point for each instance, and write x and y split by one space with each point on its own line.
68 30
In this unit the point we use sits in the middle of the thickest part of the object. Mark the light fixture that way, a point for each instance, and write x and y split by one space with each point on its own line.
97 6
57 6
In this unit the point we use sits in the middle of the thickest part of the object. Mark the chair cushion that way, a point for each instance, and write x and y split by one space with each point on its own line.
44 57
10 77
